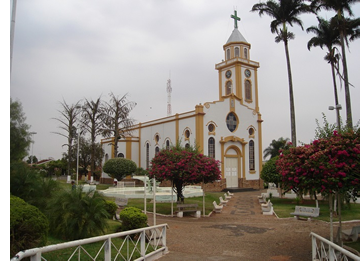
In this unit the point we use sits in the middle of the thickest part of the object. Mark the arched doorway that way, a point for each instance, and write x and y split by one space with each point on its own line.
232 167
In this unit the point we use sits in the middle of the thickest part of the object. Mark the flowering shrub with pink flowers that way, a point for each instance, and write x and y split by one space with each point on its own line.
327 165
184 167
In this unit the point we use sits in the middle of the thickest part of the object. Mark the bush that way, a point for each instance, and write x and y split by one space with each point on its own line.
76 215
132 218
28 226
119 168
111 207
27 183
269 173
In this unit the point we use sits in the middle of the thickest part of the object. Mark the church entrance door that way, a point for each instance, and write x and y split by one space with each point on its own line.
231 172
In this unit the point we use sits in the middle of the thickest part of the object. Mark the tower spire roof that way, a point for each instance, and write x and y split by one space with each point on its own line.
236 36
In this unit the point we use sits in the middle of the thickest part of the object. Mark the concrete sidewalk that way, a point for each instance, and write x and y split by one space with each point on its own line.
240 232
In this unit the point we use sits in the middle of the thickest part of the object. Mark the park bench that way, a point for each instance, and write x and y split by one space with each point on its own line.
121 202
222 201
308 212
217 208
351 234
227 197
267 208
188 208
262 198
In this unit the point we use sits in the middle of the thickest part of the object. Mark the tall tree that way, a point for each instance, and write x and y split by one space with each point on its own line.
340 7
116 119
325 35
275 147
68 123
92 114
284 12
20 137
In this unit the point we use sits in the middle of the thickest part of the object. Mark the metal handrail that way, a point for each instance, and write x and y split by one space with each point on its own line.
157 232
329 250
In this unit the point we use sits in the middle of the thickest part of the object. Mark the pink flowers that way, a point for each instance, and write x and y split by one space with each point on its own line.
325 165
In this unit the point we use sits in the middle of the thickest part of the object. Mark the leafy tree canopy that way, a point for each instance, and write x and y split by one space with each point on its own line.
19 132
184 166
119 168
269 173
327 165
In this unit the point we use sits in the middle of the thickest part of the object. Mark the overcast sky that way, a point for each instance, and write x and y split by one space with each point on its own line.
68 50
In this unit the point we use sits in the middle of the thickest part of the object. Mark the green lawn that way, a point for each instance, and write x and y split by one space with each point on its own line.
165 208
283 207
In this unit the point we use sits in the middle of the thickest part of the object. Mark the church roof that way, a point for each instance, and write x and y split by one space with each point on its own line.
236 36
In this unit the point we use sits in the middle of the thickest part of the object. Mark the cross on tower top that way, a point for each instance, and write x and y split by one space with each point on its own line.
236 18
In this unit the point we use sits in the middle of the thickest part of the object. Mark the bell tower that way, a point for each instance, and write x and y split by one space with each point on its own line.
237 73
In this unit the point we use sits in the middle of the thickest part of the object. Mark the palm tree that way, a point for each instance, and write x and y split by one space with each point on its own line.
68 121
284 12
76 215
116 120
328 37
340 6
92 120
275 146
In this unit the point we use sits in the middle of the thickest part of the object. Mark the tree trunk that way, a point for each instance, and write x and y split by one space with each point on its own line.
336 96
346 78
291 94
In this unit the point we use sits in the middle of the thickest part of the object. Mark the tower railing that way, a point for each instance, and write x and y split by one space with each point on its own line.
139 244
323 249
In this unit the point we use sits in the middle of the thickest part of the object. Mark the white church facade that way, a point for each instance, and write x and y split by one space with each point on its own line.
228 129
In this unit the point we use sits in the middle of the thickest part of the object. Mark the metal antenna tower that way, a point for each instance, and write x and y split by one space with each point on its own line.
168 90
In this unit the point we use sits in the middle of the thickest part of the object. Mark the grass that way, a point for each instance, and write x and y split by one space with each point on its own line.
165 208
283 207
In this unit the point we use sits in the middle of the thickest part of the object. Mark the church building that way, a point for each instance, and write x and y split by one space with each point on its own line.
228 129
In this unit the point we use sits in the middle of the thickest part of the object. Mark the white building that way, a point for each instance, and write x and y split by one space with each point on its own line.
228 129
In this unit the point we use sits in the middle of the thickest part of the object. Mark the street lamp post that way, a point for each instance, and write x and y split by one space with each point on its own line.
77 156
337 107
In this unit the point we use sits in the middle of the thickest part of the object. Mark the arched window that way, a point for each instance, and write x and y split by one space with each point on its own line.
157 150
228 87
106 157
167 144
187 134
248 95
251 155
147 156
187 145
245 53
121 155
211 147
237 51
228 54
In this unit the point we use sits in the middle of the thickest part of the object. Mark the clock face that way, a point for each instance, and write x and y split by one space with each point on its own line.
247 73
228 74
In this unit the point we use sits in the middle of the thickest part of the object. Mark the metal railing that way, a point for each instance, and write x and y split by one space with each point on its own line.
139 244
323 249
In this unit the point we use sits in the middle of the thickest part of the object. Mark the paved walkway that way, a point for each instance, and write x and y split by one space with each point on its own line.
240 232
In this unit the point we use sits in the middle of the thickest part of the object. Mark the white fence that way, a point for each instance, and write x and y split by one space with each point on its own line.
323 249
150 244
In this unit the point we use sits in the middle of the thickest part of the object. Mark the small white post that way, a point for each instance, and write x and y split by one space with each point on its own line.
154 200
107 251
